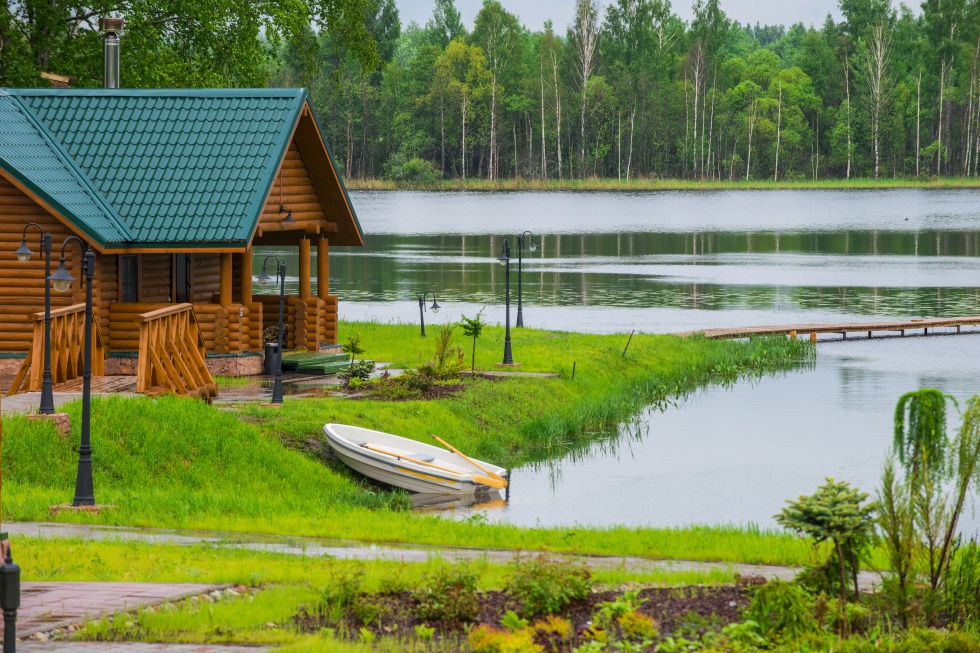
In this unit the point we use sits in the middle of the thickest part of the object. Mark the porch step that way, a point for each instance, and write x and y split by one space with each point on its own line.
314 363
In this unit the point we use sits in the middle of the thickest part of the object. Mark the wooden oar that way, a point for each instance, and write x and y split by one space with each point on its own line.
491 482
470 460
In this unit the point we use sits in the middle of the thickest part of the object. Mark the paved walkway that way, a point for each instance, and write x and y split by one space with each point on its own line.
46 606
126 647
353 550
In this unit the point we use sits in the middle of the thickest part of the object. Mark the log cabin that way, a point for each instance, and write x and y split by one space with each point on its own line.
172 189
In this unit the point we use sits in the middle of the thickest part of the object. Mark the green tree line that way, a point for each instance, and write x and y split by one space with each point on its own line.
627 90
632 90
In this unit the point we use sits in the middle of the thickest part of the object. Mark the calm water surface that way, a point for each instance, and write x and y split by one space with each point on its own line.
670 261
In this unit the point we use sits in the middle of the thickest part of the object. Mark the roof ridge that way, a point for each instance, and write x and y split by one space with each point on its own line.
160 92
66 160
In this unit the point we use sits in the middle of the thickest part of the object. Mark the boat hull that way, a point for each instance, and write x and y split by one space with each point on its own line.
348 443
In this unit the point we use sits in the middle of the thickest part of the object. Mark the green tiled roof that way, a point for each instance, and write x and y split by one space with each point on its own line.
37 161
179 166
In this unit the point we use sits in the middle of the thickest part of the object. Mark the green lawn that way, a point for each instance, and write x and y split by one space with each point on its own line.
168 462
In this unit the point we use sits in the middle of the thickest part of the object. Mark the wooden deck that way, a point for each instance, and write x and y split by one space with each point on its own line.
936 325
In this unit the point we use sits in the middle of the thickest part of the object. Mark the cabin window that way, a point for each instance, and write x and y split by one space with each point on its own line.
129 277
182 278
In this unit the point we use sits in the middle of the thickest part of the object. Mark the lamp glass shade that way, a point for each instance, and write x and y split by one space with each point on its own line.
503 259
263 278
435 306
533 246
23 252
61 280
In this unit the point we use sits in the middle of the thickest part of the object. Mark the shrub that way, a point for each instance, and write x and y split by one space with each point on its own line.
359 370
487 639
413 170
545 586
782 610
448 594
637 626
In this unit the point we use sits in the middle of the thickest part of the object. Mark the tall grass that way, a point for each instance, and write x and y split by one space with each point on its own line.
594 184
179 463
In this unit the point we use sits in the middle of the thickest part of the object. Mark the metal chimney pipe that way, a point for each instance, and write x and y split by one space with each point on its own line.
112 28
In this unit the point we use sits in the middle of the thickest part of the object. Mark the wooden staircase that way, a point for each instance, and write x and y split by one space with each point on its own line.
172 354
67 350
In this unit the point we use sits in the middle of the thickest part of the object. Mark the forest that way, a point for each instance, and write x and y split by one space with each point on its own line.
628 90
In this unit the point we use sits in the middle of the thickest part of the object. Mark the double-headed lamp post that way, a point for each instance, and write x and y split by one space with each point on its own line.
23 254
264 278
531 246
435 308
61 281
505 261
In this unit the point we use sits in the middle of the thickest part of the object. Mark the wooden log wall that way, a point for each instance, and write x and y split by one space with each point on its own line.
155 278
124 326
106 292
22 290
205 278
294 189
224 328
314 320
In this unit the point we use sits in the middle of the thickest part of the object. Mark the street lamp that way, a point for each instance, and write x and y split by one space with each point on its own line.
23 254
532 246
505 261
435 307
61 281
264 280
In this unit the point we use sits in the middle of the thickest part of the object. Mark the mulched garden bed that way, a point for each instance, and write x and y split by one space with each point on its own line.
692 608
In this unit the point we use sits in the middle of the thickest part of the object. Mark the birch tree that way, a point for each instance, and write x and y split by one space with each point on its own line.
585 38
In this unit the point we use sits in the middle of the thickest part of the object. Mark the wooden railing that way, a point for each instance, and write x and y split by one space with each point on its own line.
67 350
172 353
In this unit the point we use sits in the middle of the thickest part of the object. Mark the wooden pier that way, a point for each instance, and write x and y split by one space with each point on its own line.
922 326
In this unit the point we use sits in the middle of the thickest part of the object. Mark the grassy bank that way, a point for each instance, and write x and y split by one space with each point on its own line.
663 184
178 463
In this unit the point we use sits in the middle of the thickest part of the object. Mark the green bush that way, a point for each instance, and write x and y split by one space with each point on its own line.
412 170
782 611
546 586
448 594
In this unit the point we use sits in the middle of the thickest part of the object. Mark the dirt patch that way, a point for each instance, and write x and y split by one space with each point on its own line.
684 609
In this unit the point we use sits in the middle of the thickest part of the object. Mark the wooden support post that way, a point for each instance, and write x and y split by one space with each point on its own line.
304 269
246 280
792 334
225 299
813 336
322 268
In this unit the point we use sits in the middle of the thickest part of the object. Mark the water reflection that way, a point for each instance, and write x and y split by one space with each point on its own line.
675 261
735 454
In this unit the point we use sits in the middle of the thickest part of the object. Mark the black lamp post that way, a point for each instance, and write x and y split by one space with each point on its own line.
9 600
532 246
61 281
264 280
435 308
23 254
505 261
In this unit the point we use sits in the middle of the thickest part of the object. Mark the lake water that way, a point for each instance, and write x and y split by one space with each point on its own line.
672 261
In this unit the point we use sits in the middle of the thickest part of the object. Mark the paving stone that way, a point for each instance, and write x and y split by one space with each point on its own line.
46 606
125 647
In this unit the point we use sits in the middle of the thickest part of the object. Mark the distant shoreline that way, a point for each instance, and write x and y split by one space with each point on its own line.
660 184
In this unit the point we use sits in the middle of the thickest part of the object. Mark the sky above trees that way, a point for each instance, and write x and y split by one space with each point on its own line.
533 14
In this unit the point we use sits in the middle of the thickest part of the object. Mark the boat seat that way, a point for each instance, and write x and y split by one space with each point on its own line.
416 456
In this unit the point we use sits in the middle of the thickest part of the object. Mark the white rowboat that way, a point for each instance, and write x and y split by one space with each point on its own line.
410 464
